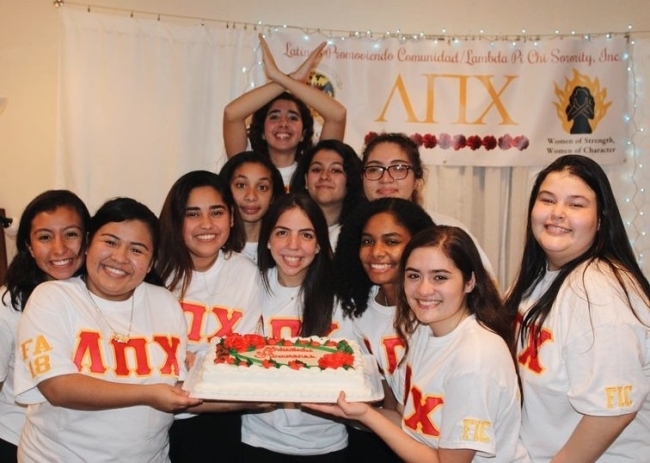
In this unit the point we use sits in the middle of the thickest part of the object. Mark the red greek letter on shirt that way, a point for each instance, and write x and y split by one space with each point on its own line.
284 327
196 313
391 345
423 406
169 345
88 354
529 358
139 348
227 320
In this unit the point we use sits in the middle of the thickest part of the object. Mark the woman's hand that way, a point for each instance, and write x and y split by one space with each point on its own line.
342 408
270 68
301 74
169 399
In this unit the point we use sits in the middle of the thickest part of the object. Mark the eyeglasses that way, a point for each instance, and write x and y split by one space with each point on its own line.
396 171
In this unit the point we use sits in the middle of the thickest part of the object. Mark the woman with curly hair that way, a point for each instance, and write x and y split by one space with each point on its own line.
282 126
367 261
330 172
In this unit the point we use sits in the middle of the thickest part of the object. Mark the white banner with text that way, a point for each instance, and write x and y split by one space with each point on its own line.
476 102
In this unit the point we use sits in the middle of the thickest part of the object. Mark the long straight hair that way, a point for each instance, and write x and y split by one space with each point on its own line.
610 246
317 292
175 265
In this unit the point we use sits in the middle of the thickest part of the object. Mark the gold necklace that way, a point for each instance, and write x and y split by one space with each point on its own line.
117 336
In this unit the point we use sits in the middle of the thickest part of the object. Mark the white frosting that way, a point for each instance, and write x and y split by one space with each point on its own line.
284 383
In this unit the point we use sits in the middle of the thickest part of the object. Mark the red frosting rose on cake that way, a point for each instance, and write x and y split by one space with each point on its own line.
236 342
336 360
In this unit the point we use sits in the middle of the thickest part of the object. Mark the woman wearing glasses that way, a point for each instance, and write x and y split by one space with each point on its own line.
392 168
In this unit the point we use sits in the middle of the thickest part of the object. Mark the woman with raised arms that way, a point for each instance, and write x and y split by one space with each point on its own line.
282 126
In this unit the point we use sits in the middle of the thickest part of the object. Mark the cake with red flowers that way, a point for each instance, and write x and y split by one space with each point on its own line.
259 368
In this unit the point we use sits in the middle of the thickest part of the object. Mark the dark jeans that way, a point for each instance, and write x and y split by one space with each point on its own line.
8 452
367 446
206 438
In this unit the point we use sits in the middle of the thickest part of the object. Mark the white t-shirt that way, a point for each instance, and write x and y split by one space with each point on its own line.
593 359
60 333
334 232
226 298
380 338
12 415
287 173
290 430
250 250
463 394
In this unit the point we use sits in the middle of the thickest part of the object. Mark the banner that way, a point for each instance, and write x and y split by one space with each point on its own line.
475 102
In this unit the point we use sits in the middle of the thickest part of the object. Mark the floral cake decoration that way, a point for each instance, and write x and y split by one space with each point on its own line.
238 349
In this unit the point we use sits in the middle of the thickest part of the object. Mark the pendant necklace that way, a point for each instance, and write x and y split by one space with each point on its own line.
118 337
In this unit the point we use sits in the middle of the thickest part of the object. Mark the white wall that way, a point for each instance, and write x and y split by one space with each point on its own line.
29 34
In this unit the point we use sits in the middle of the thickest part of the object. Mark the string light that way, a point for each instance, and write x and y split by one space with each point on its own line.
634 199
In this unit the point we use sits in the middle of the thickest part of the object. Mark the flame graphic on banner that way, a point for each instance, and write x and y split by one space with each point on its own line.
581 101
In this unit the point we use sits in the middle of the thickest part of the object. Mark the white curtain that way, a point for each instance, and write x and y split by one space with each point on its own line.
141 101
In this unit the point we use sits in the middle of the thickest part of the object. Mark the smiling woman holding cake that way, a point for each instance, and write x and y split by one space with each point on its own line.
295 258
462 401
219 290
99 357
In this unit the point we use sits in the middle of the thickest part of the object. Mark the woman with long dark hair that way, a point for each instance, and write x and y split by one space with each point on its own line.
295 259
583 309
51 244
461 399
218 288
